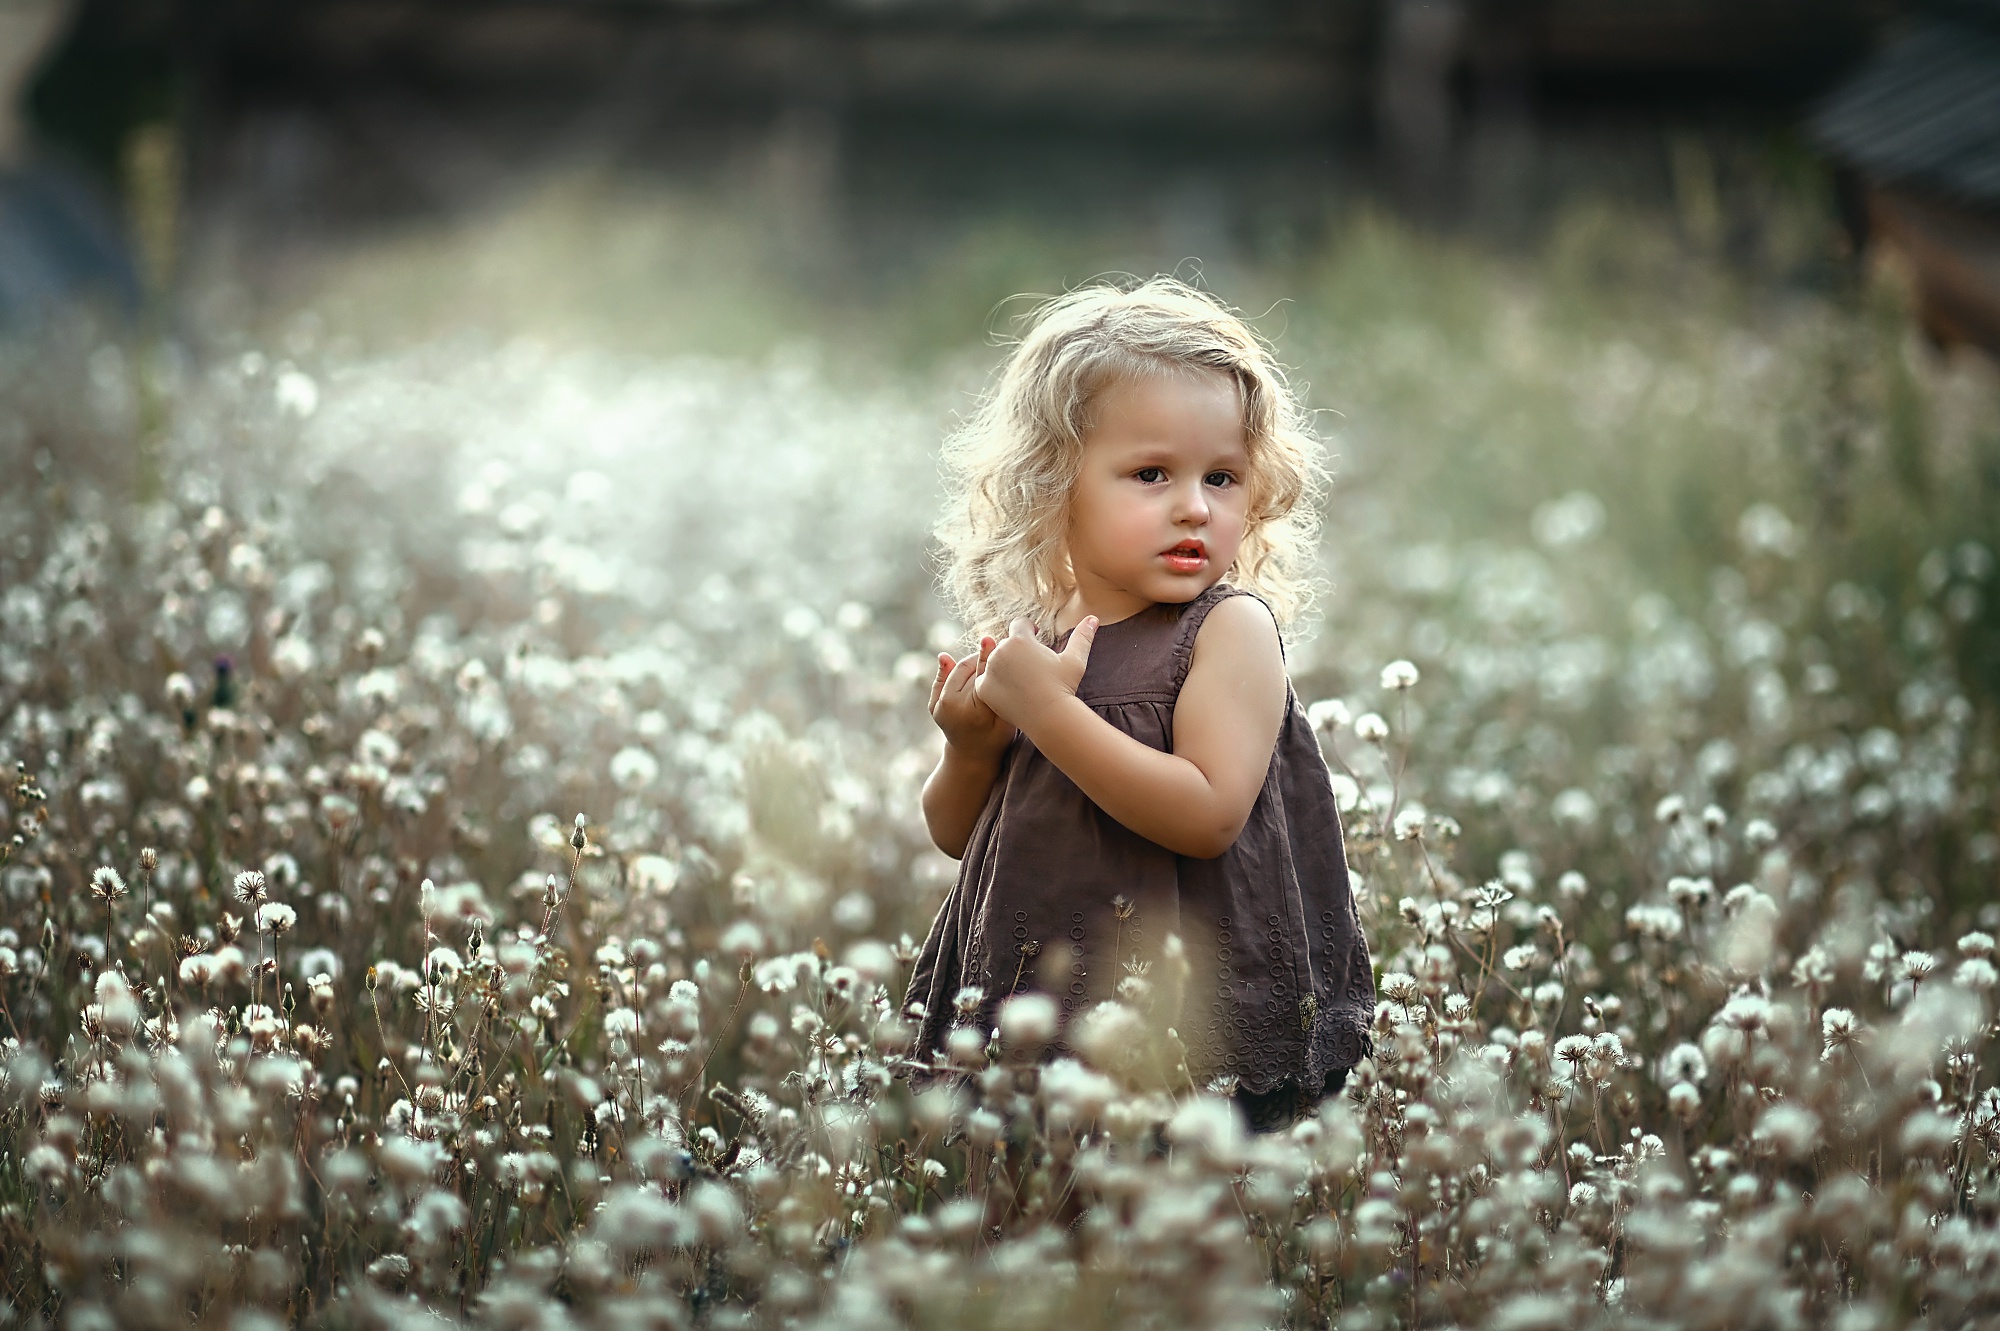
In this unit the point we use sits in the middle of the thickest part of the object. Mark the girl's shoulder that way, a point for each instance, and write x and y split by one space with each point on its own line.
1225 619
1146 658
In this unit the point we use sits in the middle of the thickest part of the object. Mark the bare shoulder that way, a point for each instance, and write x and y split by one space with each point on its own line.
1241 632
1233 701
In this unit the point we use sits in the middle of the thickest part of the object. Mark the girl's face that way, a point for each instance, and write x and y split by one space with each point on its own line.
1162 497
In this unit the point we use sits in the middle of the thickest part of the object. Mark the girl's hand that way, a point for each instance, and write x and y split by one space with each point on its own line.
1021 677
969 725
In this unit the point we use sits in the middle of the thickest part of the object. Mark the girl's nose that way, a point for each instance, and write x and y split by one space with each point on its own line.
1191 504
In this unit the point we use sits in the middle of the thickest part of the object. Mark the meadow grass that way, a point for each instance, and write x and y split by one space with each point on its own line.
465 858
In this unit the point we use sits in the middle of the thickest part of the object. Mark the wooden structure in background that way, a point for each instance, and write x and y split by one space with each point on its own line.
1919 126
448 93
1263 62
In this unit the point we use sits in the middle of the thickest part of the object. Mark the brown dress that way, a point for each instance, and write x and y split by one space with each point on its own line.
1281 993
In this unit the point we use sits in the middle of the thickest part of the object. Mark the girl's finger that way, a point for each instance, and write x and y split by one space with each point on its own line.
961 674
945 664
1021 628
986 646
1080 640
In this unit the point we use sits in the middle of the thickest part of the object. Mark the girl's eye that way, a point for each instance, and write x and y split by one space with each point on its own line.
1219 479
1150 474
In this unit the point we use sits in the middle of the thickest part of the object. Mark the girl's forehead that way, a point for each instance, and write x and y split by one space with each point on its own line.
1169 392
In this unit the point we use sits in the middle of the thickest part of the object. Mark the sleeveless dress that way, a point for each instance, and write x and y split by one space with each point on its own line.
1054 894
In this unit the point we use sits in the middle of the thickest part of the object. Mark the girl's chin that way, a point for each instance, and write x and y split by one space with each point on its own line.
1179 587
1158 586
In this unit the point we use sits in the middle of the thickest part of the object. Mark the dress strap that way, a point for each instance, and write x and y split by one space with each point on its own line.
1191 621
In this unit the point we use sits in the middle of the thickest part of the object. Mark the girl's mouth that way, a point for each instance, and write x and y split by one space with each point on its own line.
1187 557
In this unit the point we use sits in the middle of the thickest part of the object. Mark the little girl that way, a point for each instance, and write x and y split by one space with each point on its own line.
1150 772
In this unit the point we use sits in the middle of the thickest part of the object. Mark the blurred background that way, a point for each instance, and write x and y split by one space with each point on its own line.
723 174
1652 342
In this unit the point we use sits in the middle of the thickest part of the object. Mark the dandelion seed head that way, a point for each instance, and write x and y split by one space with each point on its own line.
106 884
1328 714
1813 968
1683 1063
1029 1020
1109 1035
1976 973
1657 922
1790 1131
1573 1049
1574 807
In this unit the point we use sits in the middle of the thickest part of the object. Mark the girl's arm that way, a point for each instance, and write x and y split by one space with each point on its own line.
975 740
954 794
1195 800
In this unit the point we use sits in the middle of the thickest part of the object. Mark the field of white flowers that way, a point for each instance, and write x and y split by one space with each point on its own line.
464 857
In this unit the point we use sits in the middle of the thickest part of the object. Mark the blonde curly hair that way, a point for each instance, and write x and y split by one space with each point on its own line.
1011 467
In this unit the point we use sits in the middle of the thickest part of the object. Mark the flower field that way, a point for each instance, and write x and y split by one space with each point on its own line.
465 858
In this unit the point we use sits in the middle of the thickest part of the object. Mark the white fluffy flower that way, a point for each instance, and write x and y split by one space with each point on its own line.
1976 973
1574 807
106 884
1651 921
1400 988
1683 1063
1838 1029
275 917
1028 1019
1328 714
1788 1130
1109 1035
633 768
